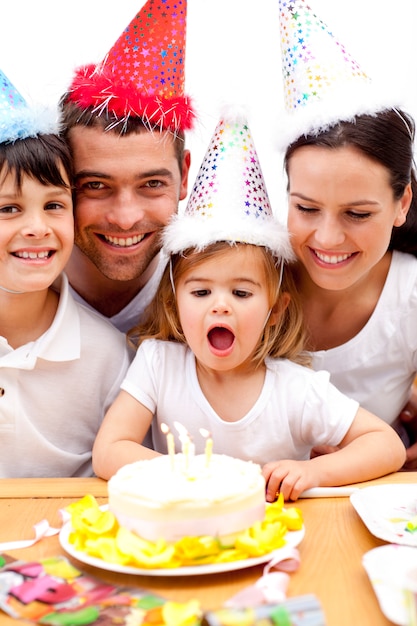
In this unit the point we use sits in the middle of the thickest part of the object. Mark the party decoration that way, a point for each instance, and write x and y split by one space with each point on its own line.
323 83
18 120
97 533
313 60
143 73
53 591
229 200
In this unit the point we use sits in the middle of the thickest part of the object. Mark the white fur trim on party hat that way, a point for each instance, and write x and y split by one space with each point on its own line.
229 200
18 120
323 84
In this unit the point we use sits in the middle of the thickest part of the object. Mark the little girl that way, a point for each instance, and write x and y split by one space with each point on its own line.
221 352
60 364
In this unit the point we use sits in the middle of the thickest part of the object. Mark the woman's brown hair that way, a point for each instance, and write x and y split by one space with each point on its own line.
387 138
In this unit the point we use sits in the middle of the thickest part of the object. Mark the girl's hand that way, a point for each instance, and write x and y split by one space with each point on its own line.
289 478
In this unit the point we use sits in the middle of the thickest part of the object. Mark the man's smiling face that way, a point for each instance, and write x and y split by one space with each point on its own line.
127 188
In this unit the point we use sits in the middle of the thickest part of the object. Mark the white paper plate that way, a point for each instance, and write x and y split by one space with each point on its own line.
386 509
293 538
385 567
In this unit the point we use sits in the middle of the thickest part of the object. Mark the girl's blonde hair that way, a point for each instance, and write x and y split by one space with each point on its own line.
284 339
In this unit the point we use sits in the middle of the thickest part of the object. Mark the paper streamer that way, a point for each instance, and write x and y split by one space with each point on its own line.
272 587
42 529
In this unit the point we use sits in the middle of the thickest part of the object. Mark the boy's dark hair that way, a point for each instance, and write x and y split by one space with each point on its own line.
40 157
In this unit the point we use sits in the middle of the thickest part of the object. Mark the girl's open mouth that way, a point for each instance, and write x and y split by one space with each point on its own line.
221 338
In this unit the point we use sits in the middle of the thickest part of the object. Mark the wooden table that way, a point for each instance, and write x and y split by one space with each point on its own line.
331 551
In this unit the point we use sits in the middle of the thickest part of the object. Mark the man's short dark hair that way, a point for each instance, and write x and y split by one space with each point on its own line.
72 115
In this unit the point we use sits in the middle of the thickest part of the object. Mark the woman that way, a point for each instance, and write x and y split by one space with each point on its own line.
353 219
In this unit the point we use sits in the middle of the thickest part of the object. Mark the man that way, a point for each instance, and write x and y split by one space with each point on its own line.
125 120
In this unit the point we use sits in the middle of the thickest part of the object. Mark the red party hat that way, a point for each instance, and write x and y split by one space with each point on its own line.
143 73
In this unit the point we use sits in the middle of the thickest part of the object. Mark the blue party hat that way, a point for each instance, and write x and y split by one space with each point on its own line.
18 120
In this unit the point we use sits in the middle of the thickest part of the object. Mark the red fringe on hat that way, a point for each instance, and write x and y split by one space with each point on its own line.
93 87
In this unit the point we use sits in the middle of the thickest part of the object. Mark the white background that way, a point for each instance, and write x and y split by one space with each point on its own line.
233 56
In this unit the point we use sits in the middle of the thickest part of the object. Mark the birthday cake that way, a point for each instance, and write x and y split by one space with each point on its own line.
165 498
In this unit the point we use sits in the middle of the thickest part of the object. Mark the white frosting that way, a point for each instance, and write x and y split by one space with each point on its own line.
156 500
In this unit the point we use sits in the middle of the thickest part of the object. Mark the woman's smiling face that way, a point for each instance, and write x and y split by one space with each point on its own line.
341 213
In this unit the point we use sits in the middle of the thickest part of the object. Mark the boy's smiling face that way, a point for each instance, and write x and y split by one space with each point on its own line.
36 232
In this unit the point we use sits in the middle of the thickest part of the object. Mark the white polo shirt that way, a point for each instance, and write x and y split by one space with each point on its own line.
55 391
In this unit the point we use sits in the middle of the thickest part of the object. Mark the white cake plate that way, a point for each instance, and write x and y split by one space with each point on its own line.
292 538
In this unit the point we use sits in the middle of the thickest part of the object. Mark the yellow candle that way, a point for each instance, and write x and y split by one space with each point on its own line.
186 451
170 443
171 446
208 450
186 445
209 445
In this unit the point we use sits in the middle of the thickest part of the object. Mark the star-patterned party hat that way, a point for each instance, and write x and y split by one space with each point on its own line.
143 73
323 84
229 200
18 120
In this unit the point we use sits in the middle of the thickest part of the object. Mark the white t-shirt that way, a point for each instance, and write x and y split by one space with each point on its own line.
55 392
297 408
378 366
132 313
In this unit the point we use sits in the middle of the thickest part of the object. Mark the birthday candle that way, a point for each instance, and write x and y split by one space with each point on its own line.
187 446
170 443
209 445
186 451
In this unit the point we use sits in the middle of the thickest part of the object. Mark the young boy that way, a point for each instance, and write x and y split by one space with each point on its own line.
60 364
